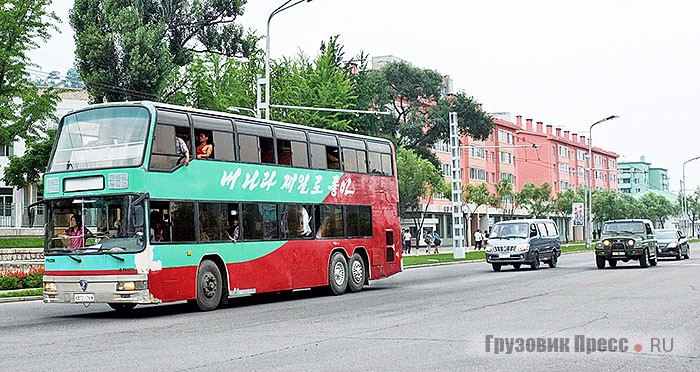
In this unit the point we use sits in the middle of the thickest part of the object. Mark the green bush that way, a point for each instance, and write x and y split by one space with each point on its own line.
9 282
33 280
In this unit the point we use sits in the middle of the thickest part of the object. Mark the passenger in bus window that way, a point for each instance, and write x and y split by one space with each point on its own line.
233 232
182 151
204 149
76 232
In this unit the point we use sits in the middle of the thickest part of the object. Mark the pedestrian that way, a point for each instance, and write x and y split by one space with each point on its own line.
428 239
477 239
407 241
485 237
436 241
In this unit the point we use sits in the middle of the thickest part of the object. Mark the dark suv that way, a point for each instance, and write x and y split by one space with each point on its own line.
625 240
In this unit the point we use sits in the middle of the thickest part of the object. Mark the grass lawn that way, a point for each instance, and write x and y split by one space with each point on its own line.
28 292
27 242
471 256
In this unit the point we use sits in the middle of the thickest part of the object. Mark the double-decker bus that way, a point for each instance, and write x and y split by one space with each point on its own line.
274 207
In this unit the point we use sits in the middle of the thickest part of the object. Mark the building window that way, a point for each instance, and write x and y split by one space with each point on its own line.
507 176
563 151
6 150
598 175
445 170
564 168
477 174
477 152
611 163
505 137
506 157
597 159
581 155
563 185
441 146
581 172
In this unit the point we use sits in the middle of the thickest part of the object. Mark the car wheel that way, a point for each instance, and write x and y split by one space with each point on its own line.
612 263
687 253
496 267
516 266
643 260
338 274
209 286
535 265
358 274
652 261
679 256
600 262
553 260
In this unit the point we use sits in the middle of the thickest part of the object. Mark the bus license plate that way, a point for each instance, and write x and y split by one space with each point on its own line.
84 297
504 255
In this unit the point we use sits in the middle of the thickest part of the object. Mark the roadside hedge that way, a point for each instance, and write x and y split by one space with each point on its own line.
20 279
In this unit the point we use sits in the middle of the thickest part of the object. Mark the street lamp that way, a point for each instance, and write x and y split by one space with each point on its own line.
279 9
685 200
590 177
237 110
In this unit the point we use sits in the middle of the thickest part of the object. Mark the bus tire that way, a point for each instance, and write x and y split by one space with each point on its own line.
358 274
209 286
338 274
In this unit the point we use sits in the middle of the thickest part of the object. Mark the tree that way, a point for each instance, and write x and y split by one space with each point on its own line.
72 79
417 179
24 108
129 50
692 206
422 114
506 198
656 208
562 206
536 199
28 169
474 196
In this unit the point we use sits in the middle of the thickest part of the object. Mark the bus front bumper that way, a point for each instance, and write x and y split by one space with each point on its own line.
115 289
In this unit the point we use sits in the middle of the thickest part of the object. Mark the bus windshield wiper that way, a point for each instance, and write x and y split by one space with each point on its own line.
113 255
76 259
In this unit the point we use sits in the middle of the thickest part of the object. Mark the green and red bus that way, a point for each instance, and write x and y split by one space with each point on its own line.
274 208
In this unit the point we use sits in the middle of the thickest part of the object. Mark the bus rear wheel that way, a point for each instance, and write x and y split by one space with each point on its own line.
209 287
122 308
338 274
358 274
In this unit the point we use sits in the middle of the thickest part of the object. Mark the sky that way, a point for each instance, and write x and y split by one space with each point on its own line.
564 63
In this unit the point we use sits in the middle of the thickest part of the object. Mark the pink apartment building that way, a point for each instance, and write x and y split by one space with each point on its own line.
559 158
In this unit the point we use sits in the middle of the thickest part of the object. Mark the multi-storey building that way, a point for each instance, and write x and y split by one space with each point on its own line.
560 158
522 153
639 177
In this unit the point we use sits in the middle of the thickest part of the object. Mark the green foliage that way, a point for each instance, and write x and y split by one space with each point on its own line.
536 199
21 279
562 205
417 178
128 51
28 242
24 109
506 197
8 282
27 169
656 208
28 292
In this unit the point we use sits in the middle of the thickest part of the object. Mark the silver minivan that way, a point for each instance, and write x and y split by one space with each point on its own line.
519 242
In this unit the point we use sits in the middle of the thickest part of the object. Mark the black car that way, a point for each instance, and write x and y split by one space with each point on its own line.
672 243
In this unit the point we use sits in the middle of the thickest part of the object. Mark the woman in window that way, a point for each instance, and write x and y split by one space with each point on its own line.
76 232
204 149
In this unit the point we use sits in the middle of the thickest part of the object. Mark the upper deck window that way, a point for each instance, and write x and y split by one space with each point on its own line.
106 137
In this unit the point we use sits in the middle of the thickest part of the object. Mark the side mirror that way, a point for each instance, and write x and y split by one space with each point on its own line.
533 234
138 216
31 213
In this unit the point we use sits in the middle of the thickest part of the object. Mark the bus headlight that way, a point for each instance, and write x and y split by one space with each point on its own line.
132 285
49 287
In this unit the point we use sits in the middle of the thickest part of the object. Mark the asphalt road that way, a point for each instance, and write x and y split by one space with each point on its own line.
433 318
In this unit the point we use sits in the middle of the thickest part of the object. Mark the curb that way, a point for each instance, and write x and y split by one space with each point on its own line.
20 299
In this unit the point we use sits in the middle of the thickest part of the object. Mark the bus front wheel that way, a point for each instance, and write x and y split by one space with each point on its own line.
208 286
338 273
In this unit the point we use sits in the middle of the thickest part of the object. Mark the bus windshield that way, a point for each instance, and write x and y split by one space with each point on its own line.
97 224
510 231
106 137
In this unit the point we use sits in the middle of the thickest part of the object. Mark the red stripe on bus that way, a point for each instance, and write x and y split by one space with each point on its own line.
90 272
